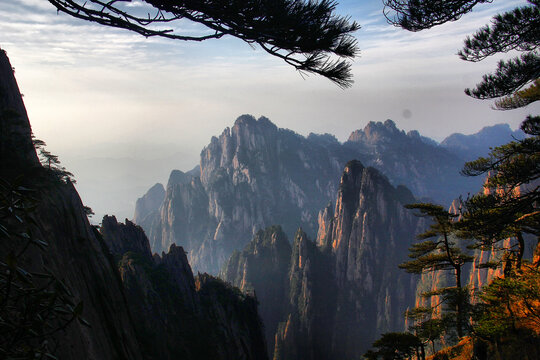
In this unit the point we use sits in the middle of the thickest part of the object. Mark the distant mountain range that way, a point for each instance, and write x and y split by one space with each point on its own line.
470 147
255 175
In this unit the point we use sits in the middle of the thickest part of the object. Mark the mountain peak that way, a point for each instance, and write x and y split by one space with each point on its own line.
179 177
375 132
245 120
390 125
248 120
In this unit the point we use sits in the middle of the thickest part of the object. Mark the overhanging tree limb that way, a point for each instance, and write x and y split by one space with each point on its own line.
510 76
306 34
514 30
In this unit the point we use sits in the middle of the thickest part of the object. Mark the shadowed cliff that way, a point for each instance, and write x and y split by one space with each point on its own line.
108 296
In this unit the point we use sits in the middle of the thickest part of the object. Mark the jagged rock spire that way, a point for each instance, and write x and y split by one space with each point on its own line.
16 148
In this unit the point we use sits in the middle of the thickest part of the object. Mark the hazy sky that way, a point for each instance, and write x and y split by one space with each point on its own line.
95 92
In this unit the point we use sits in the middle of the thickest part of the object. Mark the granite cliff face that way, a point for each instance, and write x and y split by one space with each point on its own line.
75 252
344 290
16 145
262 268
147 207
138 306
254 175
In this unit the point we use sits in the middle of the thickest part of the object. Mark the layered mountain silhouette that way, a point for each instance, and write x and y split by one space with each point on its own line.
256 175
470 147
311 238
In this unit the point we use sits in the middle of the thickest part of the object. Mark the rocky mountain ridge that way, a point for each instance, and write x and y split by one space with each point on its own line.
254 175
343 290
179 315
470 147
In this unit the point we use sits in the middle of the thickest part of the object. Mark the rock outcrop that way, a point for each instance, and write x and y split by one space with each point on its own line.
16 142
262 269
147 207
179 316
75 253
345 289
428 170
121 238
252 176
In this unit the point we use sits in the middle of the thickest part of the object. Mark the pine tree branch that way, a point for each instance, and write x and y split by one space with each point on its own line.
509 77
305 34
515 30
416 15
520 98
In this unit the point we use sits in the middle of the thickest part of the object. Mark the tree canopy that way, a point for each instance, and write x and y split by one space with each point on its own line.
416 15
305 34
517 30
439 252
395 346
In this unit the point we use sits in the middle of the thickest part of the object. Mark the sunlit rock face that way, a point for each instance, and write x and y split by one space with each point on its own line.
255 175
475 274
345 289
370 234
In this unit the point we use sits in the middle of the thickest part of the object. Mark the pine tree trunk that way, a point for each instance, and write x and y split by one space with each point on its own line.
521 244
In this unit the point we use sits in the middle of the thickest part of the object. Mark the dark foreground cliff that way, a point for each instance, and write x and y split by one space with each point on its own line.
179 316
74 253
98 296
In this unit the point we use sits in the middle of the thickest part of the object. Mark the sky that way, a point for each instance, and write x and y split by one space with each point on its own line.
122 111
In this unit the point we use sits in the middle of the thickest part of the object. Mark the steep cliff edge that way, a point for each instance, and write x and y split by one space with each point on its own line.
15 133
343 290
367 238
307 327
115 300
147 207
261 269
74 253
